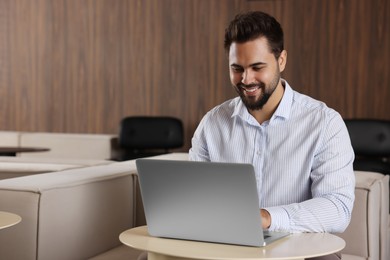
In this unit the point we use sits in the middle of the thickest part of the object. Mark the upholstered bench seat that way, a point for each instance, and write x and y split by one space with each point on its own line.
12 167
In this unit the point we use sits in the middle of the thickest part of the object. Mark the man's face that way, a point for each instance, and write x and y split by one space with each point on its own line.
254 71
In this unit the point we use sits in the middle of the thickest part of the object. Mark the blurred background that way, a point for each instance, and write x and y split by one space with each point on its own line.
80 66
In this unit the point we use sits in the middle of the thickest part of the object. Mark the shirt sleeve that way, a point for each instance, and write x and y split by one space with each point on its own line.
198 150
332 189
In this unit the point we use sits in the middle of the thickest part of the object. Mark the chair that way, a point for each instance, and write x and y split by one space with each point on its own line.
143 136
367 236
371 143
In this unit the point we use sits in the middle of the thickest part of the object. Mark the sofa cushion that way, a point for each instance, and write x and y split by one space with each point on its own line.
12 167
14 170
76 146
69 161
9 138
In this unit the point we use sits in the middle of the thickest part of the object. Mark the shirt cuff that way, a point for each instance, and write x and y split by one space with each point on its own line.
280 220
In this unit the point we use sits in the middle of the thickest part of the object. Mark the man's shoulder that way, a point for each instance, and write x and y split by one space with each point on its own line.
307 104
225 109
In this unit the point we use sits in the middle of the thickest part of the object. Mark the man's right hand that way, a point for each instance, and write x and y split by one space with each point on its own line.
265 218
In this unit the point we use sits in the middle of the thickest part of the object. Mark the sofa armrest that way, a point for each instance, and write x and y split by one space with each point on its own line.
72 214
367 234
76 146
12 167
9 138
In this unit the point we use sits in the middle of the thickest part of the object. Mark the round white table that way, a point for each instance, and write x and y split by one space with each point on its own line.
294 246
8 219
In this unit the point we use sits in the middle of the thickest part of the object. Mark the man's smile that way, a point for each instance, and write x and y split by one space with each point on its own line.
250 90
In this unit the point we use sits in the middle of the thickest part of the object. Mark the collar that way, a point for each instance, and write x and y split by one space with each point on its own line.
284 107
282 112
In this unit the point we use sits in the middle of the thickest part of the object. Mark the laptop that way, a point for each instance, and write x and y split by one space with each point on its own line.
202 201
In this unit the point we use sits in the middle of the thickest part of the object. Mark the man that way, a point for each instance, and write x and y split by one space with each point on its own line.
299 147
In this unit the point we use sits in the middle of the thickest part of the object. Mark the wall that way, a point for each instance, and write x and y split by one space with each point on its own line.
338 52
80 66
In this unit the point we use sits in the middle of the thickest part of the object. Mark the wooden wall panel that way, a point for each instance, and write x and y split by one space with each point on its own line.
82 65
338 52
79 66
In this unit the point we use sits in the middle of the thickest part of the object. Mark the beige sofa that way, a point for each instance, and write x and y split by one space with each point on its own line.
76 213
63 145
9 138
13 167
367 236
66 151
79 213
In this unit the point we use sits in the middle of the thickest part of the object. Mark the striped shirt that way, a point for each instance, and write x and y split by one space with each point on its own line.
302 158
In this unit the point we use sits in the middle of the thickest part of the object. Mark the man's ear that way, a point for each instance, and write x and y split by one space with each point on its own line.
282 60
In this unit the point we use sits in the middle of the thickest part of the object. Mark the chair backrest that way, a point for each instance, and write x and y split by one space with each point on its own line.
148 132
371 143
369 137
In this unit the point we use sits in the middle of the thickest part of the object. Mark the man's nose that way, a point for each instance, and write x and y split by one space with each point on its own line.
247 77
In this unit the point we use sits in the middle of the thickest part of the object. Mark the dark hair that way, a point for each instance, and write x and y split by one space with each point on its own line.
249 26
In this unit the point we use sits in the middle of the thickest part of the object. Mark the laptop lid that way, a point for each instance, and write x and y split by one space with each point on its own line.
203 201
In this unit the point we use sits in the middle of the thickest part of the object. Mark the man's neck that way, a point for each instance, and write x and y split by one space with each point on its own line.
270 107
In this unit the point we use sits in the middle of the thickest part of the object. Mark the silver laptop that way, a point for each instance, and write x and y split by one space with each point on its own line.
202 201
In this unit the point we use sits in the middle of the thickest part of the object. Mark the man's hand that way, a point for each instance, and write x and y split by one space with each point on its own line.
265 218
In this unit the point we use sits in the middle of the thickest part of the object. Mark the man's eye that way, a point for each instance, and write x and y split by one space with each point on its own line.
236 69
257 68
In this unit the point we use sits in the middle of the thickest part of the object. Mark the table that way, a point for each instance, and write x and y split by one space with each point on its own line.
8 219
12 151
294 246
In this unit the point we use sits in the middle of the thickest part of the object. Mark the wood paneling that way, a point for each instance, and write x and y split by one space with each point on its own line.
79 66
338 52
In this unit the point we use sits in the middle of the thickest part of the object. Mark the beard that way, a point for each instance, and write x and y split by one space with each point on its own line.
254 103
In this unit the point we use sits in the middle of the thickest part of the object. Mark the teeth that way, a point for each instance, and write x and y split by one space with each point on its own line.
250 90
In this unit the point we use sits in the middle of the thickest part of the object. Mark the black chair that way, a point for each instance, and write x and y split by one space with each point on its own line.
371 143
143 136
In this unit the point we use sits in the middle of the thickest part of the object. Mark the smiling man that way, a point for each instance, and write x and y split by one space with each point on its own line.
299 147
255 74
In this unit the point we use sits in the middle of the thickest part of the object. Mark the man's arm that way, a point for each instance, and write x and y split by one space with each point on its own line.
332 187
198 150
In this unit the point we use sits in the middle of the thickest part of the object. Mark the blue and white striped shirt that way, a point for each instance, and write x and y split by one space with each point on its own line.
302 158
